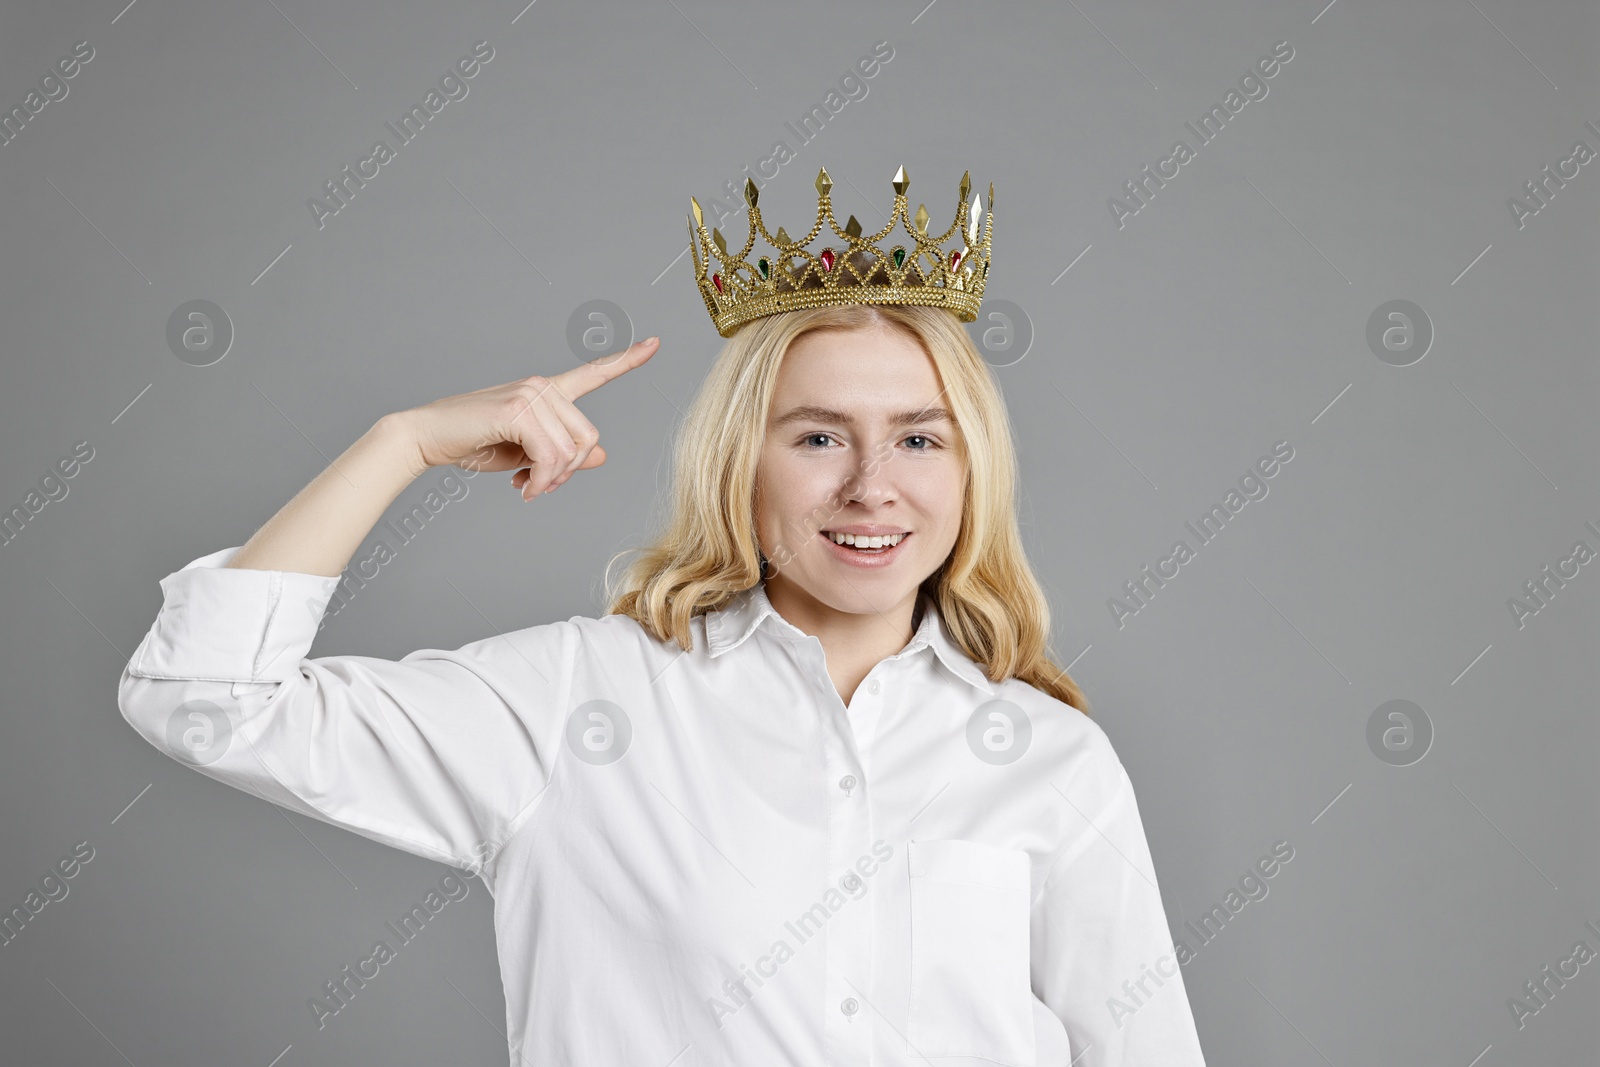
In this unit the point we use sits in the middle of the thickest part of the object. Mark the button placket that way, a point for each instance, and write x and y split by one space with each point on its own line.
865 710
848 946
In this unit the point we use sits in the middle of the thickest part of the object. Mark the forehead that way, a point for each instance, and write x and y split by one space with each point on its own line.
864 371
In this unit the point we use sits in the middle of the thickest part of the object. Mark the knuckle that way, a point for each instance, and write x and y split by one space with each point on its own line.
548 458
533 389
516 404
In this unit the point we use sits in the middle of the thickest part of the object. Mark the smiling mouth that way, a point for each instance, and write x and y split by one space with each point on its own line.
866 545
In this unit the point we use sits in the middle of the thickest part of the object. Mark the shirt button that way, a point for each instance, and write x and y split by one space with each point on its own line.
873 686
849 1006
851 882
847 783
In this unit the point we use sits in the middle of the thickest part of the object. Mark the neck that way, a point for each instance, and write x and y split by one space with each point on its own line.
853 642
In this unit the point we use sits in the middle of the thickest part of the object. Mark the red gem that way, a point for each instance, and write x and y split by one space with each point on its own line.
716 279
955 257
827 259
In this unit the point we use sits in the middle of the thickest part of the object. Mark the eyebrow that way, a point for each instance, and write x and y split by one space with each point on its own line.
813 413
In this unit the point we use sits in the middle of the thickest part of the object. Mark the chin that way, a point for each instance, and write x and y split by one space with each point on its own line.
858 593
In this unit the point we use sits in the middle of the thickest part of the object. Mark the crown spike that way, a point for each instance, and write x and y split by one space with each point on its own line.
737 290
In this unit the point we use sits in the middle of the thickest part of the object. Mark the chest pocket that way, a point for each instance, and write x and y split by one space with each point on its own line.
970 991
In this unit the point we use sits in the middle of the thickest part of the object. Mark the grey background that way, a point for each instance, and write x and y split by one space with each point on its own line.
1228 314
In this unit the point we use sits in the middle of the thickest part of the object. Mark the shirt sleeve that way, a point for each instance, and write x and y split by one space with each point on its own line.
1102 957
440 754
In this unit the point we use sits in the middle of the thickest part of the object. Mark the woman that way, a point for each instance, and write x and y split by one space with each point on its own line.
811 793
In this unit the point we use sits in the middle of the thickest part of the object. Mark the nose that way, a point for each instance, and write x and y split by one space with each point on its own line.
871 484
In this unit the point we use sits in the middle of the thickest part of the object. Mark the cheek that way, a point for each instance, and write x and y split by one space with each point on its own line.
798 482
787 490
938 490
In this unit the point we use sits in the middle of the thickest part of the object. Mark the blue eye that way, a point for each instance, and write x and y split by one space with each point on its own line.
928 446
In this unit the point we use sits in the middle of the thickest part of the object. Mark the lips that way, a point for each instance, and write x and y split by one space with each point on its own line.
864 557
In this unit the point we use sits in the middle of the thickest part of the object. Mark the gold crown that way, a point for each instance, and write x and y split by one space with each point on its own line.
792 277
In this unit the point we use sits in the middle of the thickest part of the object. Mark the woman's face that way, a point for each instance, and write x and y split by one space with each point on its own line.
858 440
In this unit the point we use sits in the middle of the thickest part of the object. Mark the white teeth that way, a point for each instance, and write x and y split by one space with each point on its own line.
864 541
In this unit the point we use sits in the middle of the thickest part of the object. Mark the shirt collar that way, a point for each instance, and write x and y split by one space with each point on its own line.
729 626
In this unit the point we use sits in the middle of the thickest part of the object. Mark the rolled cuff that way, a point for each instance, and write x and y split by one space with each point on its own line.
226 624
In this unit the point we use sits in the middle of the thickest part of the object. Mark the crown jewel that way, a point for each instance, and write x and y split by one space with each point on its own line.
850 268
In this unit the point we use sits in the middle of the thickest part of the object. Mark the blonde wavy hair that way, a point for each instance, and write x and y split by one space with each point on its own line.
706 551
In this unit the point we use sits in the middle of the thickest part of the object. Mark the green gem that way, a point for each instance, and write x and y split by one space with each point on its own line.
899 258
761 265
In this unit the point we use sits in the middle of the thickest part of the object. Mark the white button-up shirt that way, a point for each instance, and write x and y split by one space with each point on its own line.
707 857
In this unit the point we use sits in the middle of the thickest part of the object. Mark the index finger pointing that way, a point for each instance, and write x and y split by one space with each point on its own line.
592 375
